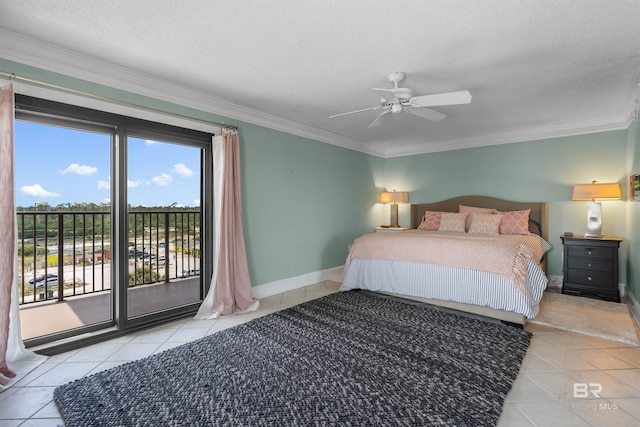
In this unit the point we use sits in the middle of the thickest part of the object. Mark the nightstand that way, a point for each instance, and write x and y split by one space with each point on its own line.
591 267
390 229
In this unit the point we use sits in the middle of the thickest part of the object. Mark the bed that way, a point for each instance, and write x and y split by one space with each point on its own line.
501 276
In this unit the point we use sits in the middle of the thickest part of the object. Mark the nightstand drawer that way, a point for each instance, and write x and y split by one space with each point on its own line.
591 278
590 264
590 252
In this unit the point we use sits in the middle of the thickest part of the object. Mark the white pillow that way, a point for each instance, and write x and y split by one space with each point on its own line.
485 224
452 222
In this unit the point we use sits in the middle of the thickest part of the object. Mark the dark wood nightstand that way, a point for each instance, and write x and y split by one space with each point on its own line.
591 267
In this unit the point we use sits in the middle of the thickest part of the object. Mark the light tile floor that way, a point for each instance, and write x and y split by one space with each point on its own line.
542 395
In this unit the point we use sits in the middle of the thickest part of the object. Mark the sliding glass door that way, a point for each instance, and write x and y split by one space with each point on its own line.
114 218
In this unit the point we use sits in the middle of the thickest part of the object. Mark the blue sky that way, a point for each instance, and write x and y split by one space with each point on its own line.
59 165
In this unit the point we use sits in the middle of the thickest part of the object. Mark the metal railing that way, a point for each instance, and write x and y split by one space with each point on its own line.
68 253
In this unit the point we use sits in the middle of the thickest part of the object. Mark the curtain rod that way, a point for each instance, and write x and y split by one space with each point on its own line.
12 77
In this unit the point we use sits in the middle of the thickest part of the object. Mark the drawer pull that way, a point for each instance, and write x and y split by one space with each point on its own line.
589 278
589 251
589 265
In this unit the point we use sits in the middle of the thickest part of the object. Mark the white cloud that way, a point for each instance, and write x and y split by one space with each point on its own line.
36 190
162 179
196 202
79 169
104 185
138 183
182 170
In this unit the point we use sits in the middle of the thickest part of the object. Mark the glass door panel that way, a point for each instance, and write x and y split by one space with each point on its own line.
163 198
63 219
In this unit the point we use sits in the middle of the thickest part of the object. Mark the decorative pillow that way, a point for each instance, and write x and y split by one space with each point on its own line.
473 210
452 222
515 222
430 221
485 224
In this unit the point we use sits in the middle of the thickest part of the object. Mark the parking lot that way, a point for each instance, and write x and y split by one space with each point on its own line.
90 278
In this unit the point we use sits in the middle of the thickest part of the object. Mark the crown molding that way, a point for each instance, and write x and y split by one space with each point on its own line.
18 48
531 134
632 107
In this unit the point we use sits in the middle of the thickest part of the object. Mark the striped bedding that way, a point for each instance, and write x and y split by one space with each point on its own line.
452 283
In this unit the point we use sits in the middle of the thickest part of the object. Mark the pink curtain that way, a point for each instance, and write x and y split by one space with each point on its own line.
232 284
7 225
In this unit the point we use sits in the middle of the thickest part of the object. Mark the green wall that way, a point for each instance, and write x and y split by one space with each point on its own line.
304 202
528 171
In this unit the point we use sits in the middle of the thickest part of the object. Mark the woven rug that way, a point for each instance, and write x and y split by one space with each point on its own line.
345 359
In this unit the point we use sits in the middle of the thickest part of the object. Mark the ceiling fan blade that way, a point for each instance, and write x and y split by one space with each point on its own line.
449 98
356 111
378 121
427 113
385 93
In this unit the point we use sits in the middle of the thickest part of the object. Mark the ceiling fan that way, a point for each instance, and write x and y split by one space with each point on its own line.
401 99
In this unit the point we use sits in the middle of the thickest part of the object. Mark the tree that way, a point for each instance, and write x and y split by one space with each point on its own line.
144 275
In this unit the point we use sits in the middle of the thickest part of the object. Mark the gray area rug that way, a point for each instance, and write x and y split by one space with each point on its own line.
349 358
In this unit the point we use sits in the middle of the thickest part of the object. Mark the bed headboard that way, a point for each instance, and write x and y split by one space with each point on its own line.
537 219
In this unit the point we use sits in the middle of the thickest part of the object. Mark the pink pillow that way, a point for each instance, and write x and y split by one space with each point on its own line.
515 222
452 222
471 210
430 221
485 224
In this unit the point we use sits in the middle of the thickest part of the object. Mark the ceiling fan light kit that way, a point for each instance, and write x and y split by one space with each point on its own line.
400 99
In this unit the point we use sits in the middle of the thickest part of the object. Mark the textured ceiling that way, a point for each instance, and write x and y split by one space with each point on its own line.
534 68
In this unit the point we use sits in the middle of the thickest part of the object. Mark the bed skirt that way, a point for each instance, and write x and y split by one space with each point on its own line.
448 284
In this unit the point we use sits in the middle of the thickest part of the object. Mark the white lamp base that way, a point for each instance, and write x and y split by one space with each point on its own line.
594 221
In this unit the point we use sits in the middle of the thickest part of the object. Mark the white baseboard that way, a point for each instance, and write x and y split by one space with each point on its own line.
632 303
284 285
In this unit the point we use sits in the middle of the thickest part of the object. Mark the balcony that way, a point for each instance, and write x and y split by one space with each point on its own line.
65 264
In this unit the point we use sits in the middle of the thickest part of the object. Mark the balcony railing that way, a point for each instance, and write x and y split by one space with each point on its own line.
69 253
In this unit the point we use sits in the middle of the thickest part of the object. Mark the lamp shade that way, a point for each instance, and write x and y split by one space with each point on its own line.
394 197
596 191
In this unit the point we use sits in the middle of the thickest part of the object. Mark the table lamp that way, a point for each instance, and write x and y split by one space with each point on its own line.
593 192
394 198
